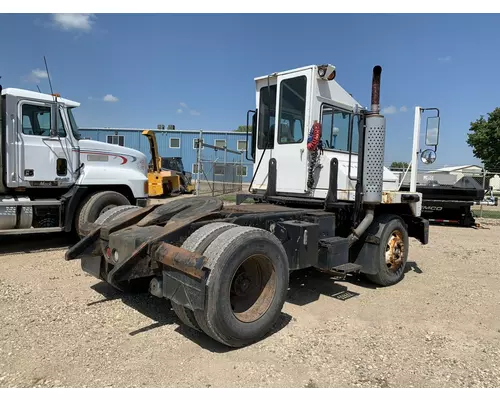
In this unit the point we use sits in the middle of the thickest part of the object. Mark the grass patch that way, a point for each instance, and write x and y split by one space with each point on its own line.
493 214
231 198
228 197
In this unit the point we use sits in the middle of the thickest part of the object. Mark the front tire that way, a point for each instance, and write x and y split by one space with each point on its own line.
95 205
392 251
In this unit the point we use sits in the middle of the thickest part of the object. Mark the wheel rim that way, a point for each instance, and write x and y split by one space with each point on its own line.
395 251
252 288
109 207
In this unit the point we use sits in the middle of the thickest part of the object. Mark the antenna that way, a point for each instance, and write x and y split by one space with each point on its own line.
48 75
53 130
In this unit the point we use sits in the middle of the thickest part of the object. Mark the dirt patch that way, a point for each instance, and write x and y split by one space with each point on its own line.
439 327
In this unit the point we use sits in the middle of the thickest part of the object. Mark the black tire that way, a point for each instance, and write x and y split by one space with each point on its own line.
391 270
237 321
95 205
198 242
185 315
114 212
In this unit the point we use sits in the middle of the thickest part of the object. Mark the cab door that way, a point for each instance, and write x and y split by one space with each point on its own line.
291 132
44 160
264 143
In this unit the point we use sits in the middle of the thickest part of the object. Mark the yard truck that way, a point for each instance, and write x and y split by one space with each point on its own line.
320 198
52 180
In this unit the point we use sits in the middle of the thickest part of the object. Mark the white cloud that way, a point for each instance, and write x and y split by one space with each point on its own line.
390 110
184 105
40 74
78 22
110 98
403 109
444 59
36 75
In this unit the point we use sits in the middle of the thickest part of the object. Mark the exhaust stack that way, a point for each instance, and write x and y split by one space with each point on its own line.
374 149
375 106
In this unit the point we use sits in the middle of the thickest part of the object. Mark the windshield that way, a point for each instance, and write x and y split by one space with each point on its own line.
74 126
267 109
172 163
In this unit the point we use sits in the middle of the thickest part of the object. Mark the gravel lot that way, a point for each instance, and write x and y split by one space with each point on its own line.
440 327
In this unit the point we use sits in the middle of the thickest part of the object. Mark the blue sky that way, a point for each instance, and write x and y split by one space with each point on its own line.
196 71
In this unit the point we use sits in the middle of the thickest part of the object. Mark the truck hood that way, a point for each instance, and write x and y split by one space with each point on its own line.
86 144
129 157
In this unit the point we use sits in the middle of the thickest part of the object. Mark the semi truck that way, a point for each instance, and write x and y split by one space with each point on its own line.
320 198
52 180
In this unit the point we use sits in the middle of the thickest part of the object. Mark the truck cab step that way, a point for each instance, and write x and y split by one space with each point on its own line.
347 268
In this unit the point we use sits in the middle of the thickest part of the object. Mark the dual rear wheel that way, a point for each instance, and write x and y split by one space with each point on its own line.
247 285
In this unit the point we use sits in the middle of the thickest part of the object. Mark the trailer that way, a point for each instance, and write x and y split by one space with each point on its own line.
448 203
320 198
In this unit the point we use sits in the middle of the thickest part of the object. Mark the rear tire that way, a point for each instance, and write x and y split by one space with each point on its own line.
95 205
114 212
198 243
246 288
392 253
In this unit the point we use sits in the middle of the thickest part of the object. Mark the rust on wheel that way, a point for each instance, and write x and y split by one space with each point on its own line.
395 251
253 288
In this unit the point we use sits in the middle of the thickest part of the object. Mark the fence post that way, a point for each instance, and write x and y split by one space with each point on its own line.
484 186
198 162
214 162
225 171
241 171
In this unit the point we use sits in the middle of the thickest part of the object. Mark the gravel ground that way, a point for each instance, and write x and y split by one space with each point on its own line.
439 327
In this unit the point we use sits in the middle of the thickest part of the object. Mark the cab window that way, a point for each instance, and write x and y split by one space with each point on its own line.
267 112
335 125
36 120
292 110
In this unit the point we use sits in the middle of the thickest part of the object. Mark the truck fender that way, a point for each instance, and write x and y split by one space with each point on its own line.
70 202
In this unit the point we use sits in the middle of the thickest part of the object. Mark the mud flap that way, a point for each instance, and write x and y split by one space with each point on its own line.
92 266
418 228
183 289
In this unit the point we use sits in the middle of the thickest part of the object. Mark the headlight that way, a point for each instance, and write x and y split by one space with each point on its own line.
143 166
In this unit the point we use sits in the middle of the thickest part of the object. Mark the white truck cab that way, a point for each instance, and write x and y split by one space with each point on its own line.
51 179
289 104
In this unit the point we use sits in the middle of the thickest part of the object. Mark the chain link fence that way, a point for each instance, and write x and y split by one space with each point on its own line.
218 170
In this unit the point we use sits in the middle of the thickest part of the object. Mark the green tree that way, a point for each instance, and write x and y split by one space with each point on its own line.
243 128
484 138
398 165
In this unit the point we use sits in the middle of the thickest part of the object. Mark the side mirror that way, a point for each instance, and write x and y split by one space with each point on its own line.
428 156
432 131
